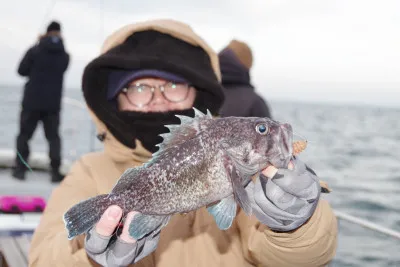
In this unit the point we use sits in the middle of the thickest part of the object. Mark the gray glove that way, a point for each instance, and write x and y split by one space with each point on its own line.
286 201
114 252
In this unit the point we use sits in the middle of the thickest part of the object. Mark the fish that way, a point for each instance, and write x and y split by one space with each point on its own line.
204 161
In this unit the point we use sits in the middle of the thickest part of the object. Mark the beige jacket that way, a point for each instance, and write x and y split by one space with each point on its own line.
188 240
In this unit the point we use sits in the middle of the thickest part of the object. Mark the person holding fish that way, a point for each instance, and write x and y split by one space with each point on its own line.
176 185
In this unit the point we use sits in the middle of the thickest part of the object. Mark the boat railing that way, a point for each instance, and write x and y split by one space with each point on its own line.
366 224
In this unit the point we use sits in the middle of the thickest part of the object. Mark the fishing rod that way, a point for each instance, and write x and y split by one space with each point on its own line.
47 14
42 24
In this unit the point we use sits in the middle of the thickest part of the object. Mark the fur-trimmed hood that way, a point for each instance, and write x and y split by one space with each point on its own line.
150 42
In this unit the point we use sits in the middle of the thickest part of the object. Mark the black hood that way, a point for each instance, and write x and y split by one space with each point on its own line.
52 44
233 72
149 50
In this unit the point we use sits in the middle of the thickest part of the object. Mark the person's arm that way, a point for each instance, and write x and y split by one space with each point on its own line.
305 227
25 65
67 60
50 245
313 244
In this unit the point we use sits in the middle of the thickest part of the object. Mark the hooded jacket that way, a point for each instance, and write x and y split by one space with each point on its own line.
44 65
188 240
240 97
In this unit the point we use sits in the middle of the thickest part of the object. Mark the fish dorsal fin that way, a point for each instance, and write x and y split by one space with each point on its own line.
186 130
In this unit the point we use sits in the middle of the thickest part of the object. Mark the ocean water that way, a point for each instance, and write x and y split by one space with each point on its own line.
76 129
355 149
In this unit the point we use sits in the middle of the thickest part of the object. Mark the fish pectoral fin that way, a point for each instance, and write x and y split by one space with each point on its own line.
240 192
143 225
224 212
238 184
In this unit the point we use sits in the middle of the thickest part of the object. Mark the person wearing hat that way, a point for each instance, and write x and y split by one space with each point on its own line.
44 66
236 60
147 73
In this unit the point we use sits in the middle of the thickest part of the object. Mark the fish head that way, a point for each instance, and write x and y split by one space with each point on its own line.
259 142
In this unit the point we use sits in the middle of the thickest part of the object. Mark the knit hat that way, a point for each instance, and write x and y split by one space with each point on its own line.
54 26
242 51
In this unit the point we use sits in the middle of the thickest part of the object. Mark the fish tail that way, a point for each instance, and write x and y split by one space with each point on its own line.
82 216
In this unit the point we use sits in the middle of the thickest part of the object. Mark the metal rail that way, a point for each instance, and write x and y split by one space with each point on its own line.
366 224
73 102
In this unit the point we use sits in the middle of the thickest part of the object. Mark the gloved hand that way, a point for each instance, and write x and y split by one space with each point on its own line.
104 247
287 199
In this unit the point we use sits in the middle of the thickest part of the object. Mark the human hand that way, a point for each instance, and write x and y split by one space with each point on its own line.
284 199
104 246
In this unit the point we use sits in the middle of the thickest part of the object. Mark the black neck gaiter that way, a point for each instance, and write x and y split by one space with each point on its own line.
145 127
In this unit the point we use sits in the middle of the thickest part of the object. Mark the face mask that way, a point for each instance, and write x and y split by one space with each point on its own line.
127 126
145 127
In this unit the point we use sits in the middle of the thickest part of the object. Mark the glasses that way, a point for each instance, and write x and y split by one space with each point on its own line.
142 94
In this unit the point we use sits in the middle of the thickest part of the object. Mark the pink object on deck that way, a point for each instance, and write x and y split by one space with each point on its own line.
20 204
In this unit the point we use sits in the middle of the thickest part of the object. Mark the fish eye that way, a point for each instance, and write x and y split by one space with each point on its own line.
262 128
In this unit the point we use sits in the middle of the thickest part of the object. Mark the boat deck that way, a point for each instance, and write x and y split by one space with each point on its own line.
16 230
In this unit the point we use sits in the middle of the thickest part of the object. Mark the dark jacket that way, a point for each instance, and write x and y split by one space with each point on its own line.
44 64
240 97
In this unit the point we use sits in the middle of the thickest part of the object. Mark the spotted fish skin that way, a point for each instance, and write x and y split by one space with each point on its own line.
183 179
200 162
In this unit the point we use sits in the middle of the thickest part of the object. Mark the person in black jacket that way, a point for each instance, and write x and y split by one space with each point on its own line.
44 65
241 100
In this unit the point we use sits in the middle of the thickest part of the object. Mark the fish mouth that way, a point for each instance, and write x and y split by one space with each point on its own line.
285 150
270 170
280 162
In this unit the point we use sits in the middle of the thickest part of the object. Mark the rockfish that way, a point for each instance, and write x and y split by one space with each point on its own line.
203 161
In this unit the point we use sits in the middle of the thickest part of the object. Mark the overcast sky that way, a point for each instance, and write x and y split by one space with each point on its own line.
314 50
